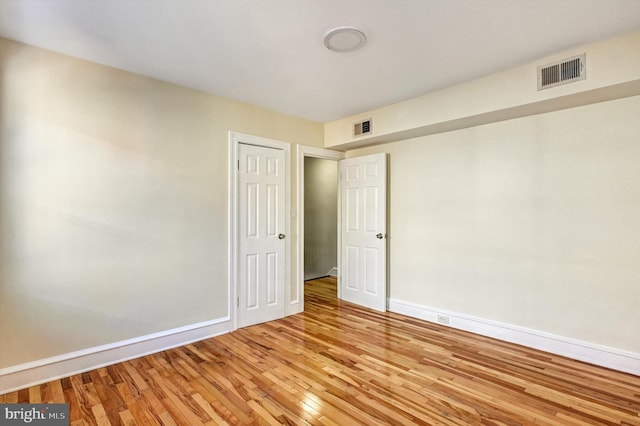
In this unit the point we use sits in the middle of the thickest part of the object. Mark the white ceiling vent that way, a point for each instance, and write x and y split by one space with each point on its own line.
562 72
362 128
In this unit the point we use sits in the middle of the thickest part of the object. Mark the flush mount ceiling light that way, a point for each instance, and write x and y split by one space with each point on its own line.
344 39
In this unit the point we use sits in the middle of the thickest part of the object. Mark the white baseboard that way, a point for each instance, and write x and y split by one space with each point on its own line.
41 371
616 359
44 370
333 272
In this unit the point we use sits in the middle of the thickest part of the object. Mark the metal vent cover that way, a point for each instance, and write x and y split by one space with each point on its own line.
362 128
562 72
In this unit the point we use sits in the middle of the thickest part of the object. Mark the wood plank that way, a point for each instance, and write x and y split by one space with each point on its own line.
339 364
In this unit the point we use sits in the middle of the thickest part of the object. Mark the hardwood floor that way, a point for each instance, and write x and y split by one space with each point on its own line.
338 364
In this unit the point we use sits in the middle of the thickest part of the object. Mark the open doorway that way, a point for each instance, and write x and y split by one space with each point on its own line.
320 218
361 228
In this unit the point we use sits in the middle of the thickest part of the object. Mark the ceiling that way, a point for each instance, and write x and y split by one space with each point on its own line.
270 52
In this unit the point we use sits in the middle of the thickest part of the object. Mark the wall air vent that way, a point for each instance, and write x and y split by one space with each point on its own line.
562 72
362 128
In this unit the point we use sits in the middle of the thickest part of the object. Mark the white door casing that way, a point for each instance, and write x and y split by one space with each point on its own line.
261 260
363 182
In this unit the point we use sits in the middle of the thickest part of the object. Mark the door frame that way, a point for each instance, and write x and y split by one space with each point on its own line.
303 151
236 138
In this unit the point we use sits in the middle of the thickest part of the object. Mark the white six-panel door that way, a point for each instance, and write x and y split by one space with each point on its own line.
261 227
363 233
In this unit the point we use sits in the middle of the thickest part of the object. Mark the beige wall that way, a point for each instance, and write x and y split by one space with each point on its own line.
320 217
113 202
612 70
532 222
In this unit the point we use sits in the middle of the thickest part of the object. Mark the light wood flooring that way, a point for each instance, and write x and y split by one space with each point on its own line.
339 364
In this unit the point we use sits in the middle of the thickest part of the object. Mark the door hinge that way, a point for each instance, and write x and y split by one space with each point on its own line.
238 164
238 302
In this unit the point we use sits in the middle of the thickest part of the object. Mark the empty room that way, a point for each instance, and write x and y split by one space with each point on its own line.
324 212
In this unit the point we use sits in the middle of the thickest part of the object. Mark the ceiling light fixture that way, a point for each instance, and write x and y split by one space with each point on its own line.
344 39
